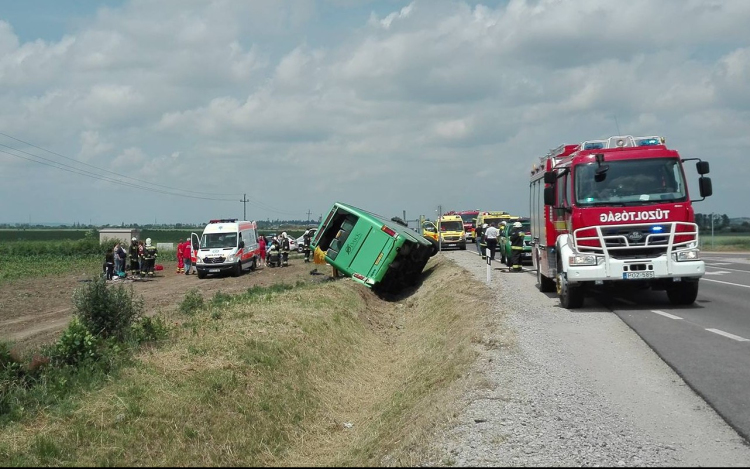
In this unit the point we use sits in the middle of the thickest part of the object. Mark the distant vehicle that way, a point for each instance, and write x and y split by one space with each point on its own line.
301 240
226 245
374 251
504 244
451 228
469 218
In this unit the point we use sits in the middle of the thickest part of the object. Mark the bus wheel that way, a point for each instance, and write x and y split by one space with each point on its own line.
435 247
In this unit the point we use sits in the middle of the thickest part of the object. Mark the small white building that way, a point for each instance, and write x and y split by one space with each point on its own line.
124 235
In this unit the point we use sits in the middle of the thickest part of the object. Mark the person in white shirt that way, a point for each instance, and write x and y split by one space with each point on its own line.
490 237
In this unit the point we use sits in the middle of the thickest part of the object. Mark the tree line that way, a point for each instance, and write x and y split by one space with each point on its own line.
721 222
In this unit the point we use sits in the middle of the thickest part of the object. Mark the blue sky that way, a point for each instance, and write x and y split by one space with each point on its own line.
138 111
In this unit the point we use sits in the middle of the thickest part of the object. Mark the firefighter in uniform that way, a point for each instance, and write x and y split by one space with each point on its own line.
284 249
133 253
149 256
306 239
516 246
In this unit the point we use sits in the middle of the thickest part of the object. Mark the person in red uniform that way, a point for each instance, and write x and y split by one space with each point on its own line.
187 253
262 247
180 263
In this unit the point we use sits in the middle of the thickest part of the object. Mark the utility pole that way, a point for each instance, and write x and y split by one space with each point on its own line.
712 230
244 206
308 216
440 238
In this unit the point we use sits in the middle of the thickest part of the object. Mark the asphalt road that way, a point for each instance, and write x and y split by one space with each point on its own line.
707 343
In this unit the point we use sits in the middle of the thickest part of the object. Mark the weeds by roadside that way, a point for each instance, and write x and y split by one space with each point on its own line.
327 374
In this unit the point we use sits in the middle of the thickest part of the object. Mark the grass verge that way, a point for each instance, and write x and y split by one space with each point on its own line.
317 375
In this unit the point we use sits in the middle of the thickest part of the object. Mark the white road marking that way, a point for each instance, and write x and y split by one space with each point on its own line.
718 272
721 263
736 270
727 334
670 316
727 283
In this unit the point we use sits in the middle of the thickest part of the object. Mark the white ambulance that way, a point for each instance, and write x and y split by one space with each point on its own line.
226 245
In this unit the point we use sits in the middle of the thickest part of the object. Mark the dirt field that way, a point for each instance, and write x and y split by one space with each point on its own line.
35 311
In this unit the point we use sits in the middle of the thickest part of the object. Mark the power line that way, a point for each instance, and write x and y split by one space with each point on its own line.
96 167
149 187
81 172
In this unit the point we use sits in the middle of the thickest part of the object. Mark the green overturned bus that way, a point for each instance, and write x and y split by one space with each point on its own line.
375 252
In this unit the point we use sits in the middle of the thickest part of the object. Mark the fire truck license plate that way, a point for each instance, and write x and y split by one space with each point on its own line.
638 275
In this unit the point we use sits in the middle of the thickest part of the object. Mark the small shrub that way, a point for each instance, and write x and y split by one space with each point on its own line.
76 345
149 329
192 303
221 299
107 311
11 366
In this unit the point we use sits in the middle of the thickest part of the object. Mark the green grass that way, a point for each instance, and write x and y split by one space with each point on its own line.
271 382
725 242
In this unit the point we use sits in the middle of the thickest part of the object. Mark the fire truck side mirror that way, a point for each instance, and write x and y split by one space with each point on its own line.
704 185
702 167
550 177
549 195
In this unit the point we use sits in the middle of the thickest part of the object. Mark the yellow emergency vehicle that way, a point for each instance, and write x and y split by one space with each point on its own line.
450 229
488 217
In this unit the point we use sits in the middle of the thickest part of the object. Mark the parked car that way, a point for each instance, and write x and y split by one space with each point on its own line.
504 245
301 241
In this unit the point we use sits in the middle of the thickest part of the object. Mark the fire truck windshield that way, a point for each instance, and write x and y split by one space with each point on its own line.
631 182
468 217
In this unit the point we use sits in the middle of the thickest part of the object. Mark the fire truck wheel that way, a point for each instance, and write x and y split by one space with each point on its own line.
684 293
546 284
570 297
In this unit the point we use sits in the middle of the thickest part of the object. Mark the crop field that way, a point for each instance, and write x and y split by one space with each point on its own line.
725 242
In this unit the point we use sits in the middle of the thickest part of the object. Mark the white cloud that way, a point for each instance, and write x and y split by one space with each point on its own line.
257 95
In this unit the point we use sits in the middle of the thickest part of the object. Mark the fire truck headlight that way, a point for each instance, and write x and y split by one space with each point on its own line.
688 255
583 259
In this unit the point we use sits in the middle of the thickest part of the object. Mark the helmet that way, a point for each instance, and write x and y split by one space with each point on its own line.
484 226
283 235
148 241
134 239
517 224
503 222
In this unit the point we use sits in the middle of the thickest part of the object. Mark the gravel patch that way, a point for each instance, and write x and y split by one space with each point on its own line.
575 388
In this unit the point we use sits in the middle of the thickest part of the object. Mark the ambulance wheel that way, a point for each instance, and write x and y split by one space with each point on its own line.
571 297
237 270
201 274
254 264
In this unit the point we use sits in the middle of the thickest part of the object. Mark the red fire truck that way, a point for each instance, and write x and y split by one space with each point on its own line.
615 212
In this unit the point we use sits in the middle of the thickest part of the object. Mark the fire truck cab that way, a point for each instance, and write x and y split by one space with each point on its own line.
614 212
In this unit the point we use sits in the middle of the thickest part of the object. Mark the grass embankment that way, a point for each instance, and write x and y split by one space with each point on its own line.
318 375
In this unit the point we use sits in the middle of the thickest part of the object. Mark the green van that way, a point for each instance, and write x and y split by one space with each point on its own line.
372 250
